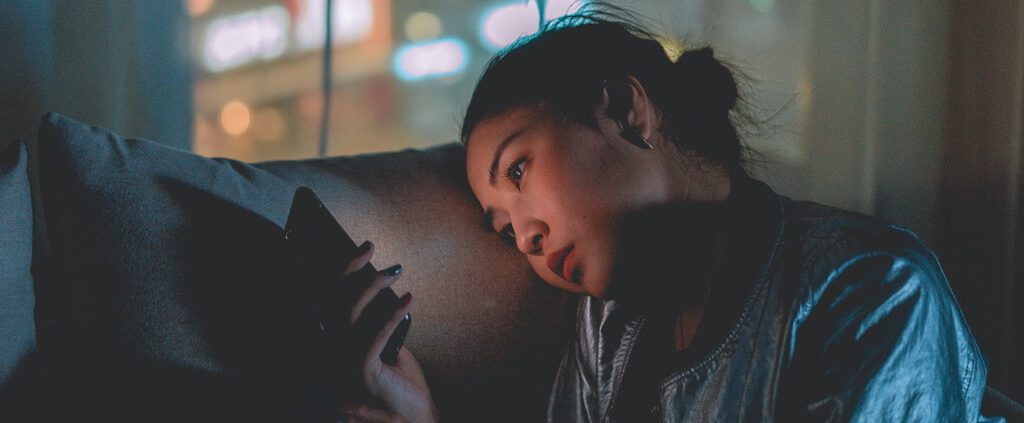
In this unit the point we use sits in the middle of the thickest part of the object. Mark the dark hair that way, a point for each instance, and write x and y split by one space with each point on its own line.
566 65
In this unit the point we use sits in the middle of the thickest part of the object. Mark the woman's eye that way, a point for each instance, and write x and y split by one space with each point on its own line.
515 171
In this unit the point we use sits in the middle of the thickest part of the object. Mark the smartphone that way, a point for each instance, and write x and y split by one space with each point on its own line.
325 250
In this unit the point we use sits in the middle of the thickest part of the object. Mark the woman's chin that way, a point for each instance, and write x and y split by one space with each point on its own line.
597 288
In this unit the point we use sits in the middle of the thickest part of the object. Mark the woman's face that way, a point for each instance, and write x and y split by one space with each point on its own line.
558 190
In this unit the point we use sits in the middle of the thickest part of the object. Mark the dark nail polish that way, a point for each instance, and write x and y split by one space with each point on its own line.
364 247
406 299
392 271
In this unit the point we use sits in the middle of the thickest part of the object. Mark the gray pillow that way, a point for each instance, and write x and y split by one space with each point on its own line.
163 258
17 301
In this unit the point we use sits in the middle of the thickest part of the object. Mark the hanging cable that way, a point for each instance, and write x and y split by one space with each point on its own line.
328 72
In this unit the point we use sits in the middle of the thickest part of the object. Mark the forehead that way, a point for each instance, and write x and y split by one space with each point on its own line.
490 133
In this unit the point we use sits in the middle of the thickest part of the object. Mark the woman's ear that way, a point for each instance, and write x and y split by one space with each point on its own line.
618 102
627 104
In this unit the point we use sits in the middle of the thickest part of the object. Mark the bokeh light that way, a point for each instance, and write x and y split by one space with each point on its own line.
352 22
235 118
502 25
236 40
197 8
431 59
421 26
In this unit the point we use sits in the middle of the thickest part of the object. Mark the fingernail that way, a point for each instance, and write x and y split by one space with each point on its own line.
392 271
406 299
364 247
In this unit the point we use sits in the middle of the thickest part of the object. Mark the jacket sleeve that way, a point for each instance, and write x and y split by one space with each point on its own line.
882 339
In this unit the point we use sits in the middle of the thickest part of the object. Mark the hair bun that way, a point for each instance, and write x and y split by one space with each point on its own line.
707 81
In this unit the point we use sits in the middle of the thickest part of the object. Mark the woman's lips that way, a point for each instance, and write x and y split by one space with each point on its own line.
569 265
558 262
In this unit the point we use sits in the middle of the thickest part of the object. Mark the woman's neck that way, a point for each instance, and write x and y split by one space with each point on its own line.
696 180
689 318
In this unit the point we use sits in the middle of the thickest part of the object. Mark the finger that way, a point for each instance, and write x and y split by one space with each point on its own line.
365 253
365 413
406 360
385 278
372 363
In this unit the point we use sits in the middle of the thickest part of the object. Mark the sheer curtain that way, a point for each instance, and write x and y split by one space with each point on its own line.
853 94
909 111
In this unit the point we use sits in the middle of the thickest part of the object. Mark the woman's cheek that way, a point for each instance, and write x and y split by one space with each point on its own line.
542 270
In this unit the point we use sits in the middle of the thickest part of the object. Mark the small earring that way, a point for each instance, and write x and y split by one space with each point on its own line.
633 135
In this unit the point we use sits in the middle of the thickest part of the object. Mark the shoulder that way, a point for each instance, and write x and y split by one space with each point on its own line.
827 232
832 246
854 271
872 301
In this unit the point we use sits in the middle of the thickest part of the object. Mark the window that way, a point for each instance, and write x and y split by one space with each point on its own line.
403 71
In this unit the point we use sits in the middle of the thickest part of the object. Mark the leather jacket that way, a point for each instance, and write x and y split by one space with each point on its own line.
836 316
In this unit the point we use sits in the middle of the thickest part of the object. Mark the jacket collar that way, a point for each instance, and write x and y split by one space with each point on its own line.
752 222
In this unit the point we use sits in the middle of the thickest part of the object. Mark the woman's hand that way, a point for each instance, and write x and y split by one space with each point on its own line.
401 389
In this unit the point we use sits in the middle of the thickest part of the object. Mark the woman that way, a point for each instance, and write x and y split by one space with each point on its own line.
705 295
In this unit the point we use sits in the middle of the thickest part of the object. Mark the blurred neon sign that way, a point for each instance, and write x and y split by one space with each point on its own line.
502 25
431 59
352 21
266 34
236 40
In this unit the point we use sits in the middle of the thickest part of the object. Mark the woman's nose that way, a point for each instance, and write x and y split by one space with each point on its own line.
530 239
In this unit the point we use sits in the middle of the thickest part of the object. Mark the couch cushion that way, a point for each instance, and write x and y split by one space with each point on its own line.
484 328
161 255
17 301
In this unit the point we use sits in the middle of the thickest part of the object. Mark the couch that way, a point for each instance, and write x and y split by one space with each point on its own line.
144 283
156 290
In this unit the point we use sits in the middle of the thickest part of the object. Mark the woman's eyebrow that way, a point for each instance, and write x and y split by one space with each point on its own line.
499 150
